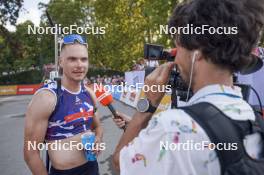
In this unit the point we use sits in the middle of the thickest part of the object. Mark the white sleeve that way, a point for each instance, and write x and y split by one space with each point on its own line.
142 154
160 148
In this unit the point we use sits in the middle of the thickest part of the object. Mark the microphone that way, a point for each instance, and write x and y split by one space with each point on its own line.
106 99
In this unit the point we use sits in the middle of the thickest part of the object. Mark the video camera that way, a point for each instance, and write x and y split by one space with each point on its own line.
178 87
158 53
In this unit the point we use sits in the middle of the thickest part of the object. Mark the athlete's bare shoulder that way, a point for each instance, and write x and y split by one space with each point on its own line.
42 103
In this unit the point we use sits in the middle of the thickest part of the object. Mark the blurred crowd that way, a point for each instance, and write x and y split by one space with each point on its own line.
118 79
105 80
143 63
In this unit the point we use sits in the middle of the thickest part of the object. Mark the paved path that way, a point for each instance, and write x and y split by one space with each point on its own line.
12 110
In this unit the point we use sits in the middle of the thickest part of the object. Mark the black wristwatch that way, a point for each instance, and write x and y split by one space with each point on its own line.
144 105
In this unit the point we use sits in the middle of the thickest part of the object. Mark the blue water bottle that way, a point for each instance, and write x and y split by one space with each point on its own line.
88 140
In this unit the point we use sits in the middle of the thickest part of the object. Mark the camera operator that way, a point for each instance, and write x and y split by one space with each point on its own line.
206 63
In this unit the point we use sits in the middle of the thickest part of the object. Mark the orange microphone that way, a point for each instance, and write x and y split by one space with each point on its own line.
105 99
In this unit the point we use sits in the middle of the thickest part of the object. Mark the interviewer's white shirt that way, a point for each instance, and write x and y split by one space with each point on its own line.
143 155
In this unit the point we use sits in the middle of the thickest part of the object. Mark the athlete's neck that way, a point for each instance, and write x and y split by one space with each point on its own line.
73 86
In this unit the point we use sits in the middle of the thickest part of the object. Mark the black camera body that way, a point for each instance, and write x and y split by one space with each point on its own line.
178 87
157 52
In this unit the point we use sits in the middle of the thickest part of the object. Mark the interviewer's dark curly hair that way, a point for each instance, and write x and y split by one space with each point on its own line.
231 51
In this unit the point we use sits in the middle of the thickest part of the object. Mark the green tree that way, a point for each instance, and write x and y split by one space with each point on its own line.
129 24
29 46
22 53
66 13
9 11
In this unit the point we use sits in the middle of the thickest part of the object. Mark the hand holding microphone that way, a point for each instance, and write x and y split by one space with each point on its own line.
106 99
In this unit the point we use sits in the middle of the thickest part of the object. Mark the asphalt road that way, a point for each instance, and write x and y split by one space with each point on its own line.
12 110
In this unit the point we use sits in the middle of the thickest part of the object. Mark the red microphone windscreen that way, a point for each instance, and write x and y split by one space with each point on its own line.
104 97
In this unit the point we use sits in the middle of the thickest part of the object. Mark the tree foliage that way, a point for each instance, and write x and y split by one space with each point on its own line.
129 24
9 11
9 48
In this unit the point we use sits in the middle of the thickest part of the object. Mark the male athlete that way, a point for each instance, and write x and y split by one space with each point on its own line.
61 114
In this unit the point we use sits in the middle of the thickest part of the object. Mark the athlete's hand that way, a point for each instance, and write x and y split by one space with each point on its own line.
97 144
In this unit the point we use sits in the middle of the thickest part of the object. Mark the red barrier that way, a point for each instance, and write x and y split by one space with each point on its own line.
27 89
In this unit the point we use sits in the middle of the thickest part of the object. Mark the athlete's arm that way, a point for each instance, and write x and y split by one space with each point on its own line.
36 123
96 120
98 131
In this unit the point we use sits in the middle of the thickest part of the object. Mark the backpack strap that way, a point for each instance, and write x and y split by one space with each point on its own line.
259 123
220 129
